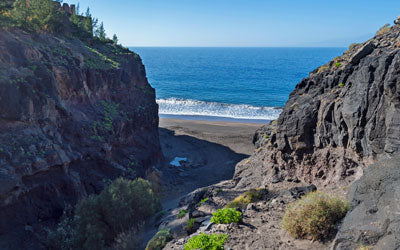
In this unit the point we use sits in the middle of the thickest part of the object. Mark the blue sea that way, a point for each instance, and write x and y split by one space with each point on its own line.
228 83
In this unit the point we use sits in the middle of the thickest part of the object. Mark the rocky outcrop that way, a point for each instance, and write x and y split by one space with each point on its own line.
73 116
261 225
336 121
375 207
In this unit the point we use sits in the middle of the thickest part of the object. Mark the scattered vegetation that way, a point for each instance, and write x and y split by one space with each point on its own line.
250 196
190 224
341 85
159 240
46 15
385 28
182 213
314 215
338 64
206 242
226 216
99 219
202 202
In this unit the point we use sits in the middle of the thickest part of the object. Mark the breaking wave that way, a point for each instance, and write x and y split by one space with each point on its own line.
175 106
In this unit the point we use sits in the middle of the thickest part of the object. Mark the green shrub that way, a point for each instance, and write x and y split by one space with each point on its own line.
206 242
100 218
182 213
314 215
159 240
226 216
338 64
341 85
190 224
242 201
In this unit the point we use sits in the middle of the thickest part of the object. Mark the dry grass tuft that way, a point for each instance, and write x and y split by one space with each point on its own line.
314 215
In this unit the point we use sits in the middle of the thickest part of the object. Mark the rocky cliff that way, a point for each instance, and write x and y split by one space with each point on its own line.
73 116
345 115
375 208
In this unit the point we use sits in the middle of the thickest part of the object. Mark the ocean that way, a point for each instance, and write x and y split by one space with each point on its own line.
237 84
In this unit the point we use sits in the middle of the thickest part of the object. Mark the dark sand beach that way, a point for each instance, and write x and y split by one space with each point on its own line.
212 149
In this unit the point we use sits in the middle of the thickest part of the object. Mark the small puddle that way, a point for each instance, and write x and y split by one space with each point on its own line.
176 161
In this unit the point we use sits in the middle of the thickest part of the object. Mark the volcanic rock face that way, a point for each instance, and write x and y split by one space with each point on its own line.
72 117
375 208
339 119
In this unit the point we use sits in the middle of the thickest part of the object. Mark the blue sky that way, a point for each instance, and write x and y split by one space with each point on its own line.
242 23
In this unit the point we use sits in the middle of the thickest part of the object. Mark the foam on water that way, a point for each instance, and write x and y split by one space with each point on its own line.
176 106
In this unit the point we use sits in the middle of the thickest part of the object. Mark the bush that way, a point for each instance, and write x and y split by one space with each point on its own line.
126 241
100 218
341 85
314 215
385 28
243 200
226 216
159 240
338 64
206 242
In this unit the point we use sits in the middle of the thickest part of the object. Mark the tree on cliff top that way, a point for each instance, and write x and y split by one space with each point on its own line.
101 32
37 15
115 39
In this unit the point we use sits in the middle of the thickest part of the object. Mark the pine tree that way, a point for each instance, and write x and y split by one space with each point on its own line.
101 32
36 15
115 39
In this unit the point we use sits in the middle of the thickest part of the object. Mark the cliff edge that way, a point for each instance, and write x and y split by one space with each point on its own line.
73 116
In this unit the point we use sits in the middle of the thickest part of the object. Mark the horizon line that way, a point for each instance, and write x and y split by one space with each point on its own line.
132 46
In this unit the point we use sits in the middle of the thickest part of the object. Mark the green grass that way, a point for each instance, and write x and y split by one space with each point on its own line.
314 215
206 242
202 202
226 216
182 213
190 224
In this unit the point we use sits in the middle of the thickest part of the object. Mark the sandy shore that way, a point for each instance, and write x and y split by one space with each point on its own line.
234 135
212 150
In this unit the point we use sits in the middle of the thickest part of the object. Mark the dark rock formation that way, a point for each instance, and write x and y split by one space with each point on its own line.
375 209
336 121
73 116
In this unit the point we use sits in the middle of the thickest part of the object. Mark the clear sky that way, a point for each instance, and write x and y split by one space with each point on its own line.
242 23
